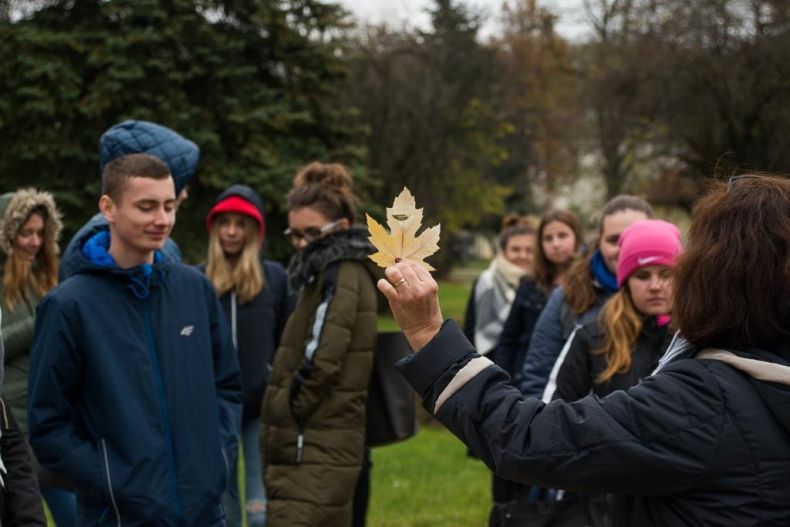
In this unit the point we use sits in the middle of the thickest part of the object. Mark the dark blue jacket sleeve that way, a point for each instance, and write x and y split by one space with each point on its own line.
506 352
227 378
594 445
544 347
59 440
511 350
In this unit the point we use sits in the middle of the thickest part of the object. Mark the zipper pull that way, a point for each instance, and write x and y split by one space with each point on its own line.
299 448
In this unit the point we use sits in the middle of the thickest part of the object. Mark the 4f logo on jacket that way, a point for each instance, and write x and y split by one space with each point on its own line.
187 331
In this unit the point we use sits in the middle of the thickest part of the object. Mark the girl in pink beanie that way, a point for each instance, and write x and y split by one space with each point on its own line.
630 336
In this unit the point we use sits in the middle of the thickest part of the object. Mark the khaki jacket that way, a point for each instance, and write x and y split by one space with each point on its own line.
330 405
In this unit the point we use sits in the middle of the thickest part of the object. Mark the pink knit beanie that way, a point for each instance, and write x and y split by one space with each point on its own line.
645 243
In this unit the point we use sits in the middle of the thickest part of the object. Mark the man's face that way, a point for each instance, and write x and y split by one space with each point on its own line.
142 219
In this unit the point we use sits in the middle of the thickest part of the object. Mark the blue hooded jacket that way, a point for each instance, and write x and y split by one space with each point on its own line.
139 137
135 392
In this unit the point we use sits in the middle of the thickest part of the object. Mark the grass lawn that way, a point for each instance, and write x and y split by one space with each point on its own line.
453 296
428 481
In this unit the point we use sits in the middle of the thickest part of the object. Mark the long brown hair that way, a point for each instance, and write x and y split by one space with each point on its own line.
19 274
546 271
246 277
733 281
622 324
579 291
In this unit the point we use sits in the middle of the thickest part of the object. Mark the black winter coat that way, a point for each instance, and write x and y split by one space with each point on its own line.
582 365
511 351
258 326
700 443
20 503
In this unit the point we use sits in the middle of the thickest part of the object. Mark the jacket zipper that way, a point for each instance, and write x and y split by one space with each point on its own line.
148 323
233 320
109 481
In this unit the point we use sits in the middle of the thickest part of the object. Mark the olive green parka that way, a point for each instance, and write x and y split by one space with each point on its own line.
314 485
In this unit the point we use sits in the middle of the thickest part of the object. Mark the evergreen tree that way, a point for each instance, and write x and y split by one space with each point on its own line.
254 83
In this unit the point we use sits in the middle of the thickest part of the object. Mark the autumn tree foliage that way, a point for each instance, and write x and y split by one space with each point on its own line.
703 85
541 101
427 100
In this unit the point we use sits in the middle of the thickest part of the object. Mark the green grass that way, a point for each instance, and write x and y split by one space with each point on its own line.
428 481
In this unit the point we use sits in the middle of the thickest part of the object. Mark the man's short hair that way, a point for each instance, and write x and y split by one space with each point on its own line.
120 170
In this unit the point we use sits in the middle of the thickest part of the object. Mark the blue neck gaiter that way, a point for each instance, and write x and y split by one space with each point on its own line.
606 279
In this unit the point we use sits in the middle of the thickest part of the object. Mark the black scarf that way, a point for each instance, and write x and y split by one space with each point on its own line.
351 244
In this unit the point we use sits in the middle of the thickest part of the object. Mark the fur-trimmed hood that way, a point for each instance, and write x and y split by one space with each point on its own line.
15 207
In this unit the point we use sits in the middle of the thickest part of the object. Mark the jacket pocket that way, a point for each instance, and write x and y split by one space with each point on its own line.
108 478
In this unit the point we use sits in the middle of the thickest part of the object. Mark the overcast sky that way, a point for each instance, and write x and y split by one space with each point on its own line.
412 12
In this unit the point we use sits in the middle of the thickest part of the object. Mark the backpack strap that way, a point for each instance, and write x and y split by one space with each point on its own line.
567 320
327 293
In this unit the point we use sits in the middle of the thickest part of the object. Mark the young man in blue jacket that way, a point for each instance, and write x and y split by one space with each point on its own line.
135 392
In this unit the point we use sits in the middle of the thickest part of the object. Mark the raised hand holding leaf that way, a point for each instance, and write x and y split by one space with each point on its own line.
404 220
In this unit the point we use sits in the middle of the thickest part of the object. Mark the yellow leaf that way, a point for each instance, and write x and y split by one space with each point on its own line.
404 220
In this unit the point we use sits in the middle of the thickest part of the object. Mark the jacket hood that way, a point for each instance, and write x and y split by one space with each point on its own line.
351 244
72 261
15 207
142 137
93 257
768 371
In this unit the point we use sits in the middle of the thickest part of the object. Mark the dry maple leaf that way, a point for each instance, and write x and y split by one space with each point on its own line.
404 220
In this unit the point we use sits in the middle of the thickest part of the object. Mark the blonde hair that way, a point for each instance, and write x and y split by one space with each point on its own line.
246 277
39 276
622 325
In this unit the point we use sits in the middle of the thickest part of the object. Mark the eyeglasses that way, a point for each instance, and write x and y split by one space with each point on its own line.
310 233
735 179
